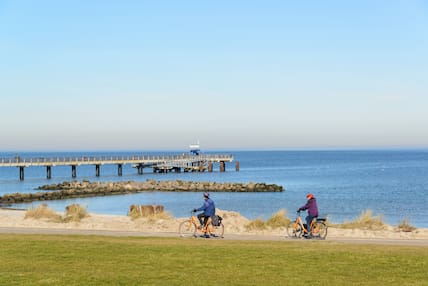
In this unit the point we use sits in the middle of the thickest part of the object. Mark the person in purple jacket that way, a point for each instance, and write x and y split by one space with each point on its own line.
311 206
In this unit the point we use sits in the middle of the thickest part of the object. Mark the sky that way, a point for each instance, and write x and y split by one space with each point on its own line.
250 75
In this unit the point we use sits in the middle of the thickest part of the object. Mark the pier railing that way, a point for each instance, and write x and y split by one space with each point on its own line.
161 163
100 160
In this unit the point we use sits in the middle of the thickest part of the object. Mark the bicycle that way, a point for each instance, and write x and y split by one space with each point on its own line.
318 228
188 228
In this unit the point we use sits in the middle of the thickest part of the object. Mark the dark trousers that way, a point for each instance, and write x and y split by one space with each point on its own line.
203 216
308 222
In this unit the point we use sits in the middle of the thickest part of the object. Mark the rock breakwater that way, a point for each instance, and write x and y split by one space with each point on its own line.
85 188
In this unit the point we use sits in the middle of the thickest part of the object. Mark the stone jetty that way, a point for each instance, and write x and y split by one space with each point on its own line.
76 189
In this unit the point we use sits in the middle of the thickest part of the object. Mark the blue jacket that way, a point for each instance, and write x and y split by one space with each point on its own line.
311 206
208 207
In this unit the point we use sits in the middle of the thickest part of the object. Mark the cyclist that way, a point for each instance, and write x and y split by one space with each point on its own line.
311 206
208 209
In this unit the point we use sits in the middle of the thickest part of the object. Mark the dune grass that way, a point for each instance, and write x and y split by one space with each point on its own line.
256 224
366 220
405 226
43 212
277 220
164 215
94 260
73 213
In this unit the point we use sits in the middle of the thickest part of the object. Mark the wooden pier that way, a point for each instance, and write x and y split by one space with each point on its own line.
160 164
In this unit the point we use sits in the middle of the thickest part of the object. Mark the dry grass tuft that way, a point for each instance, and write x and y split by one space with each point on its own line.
404 226
257 224
279 219
43 212
75 213
135 214
366 221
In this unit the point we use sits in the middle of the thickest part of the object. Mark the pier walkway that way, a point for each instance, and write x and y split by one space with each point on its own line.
166 163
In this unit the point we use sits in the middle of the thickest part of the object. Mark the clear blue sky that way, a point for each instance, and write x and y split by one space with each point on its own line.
143 75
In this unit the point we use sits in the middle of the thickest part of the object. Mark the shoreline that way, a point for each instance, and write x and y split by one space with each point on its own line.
14 221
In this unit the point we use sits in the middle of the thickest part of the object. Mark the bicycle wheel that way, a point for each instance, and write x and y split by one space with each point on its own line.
294 230
319 231
217 231
187 229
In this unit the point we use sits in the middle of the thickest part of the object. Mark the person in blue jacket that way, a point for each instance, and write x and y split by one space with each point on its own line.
208 209
311 206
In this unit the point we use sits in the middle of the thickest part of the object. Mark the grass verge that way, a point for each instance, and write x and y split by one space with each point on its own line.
94 260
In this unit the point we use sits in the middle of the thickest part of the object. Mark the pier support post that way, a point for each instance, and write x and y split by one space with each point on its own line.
222 166
73 171
119 169
97 170
48 172
140 169
237 166
210 167
201 166
21 173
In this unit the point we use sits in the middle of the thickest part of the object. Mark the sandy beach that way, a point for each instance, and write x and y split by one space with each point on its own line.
14 221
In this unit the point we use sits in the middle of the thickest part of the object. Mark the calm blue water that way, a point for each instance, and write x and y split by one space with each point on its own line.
391 183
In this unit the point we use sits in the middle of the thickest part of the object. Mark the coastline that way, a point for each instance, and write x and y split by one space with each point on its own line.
14 221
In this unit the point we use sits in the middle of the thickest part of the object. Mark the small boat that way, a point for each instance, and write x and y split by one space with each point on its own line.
195 148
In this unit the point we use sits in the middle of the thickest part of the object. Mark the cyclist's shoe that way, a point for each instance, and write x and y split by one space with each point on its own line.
205 236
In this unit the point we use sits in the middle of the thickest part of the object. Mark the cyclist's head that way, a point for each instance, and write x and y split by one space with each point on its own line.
309 196
206 195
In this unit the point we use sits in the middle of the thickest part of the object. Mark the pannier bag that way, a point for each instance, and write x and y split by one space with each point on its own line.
216 220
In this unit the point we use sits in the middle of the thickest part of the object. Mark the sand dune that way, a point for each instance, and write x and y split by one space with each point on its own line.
234 225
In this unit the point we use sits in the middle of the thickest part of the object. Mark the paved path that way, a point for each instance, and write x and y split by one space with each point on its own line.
53 231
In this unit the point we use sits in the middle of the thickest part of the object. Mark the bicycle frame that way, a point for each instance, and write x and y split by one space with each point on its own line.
317 228
299 226
302 225
208 227
188 228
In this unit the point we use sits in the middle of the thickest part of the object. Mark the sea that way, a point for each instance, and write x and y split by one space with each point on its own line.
390 183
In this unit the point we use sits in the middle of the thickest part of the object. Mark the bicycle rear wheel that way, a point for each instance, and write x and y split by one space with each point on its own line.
217 231
319 231
187 229
294 230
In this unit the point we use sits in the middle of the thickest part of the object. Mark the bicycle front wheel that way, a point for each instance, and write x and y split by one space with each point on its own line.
294 230
187 229
319 231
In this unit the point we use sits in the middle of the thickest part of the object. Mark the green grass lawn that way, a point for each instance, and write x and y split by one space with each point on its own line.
99 260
